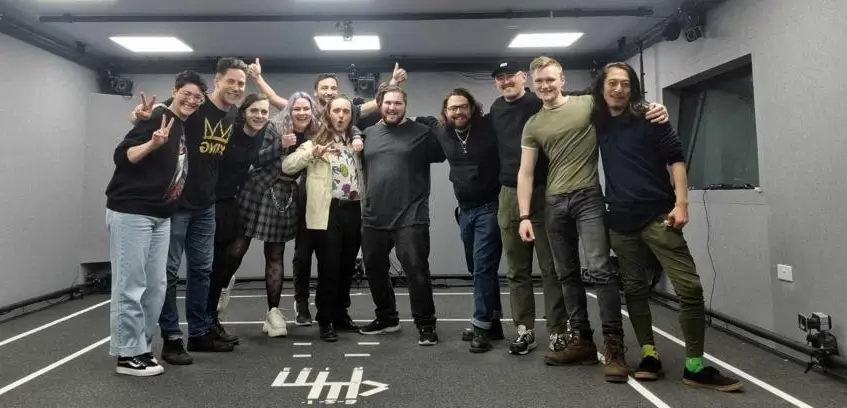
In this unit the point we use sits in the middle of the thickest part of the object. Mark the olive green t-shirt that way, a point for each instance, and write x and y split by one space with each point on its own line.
565 134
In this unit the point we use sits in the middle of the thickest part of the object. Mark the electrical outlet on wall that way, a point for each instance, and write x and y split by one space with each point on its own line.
785 273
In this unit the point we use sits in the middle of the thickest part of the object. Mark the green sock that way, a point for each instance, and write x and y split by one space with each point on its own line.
649 350
694 364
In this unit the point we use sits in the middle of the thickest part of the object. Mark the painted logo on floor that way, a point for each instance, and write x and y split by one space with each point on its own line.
354 387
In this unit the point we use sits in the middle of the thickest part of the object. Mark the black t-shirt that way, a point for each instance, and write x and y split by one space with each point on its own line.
396 169
153 185
507 120
207 134
241 153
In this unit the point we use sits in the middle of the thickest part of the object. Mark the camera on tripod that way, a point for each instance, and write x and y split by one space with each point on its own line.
817 321
817 327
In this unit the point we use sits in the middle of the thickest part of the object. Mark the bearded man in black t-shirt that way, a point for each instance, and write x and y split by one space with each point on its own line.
193 225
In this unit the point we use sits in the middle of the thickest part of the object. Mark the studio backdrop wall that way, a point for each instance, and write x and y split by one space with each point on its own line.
426 91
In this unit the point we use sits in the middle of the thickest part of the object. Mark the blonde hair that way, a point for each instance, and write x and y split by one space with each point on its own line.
544 62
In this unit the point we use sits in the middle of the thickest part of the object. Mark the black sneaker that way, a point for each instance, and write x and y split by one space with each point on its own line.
650 369
209 343
709 377
220 331
524 342
377 327
149 359
427 336
138 367
480 342
303 316
173 351
328 333
346 325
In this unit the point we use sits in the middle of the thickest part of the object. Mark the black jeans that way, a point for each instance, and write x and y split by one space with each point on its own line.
337 248
587 210
412 247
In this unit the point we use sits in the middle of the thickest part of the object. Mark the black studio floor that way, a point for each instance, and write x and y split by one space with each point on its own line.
59 358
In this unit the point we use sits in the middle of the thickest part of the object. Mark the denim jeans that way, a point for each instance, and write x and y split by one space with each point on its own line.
138 250
192 233
586 208
483 250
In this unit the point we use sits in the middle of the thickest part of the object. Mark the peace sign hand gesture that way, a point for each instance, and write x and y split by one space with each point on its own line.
322 150
160 136
144 110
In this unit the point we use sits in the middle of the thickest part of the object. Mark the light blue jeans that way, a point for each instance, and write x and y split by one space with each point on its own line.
138 247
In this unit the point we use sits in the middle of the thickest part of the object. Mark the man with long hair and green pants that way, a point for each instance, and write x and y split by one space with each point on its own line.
646 213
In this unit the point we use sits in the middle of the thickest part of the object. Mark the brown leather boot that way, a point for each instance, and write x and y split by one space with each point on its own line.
580 349
616 370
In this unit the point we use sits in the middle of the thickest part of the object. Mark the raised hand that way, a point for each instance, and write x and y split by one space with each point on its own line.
399 74
289 140
160 136
144 110
254 70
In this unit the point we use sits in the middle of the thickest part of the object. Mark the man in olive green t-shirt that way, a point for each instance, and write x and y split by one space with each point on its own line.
562 130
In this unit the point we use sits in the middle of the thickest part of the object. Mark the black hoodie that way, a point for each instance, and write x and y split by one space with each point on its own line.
474 169
154 184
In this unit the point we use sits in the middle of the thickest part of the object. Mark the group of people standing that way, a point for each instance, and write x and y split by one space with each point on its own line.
200 176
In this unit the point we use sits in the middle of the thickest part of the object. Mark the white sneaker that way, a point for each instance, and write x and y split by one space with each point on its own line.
275 325
223 301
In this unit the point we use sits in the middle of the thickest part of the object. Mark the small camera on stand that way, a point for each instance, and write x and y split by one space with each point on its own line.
817 327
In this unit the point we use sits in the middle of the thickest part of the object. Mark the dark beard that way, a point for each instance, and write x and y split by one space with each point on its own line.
391 124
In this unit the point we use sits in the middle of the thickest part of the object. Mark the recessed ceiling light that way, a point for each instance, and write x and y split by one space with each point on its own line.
339 43
544 40
152 44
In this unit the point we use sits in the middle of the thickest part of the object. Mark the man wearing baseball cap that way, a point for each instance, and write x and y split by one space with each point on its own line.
508 114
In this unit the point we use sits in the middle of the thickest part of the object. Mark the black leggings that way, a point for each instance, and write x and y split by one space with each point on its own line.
228 257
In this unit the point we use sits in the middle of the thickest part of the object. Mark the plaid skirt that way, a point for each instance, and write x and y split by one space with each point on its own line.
270 214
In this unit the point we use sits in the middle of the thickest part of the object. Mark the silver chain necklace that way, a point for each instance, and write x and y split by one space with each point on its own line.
463 141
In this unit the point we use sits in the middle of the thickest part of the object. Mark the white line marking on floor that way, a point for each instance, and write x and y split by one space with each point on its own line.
465 320
368 343
640 388
367 294
302 344
356 355
767 387
49 368
53 323
301 355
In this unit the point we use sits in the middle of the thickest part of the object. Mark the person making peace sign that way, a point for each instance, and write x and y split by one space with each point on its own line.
150 171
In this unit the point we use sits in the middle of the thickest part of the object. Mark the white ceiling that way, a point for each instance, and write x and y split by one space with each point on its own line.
289 42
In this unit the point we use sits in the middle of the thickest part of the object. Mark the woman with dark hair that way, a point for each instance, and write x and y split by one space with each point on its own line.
268 202
333 211
230 242
150 170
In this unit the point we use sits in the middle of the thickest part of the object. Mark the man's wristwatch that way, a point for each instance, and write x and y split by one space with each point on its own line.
523 217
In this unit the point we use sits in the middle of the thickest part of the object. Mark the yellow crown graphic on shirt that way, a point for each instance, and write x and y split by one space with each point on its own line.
215 138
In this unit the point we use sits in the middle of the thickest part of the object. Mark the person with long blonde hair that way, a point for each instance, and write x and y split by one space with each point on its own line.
333 210
268 203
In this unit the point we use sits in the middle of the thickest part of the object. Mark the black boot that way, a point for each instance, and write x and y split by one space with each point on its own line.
173 351
209 343
480 342
328 333
220 331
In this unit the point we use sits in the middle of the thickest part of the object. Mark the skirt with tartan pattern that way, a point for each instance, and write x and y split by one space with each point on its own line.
270 214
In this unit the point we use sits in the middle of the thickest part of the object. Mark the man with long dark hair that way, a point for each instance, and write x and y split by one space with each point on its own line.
646 213
470 146
563 131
